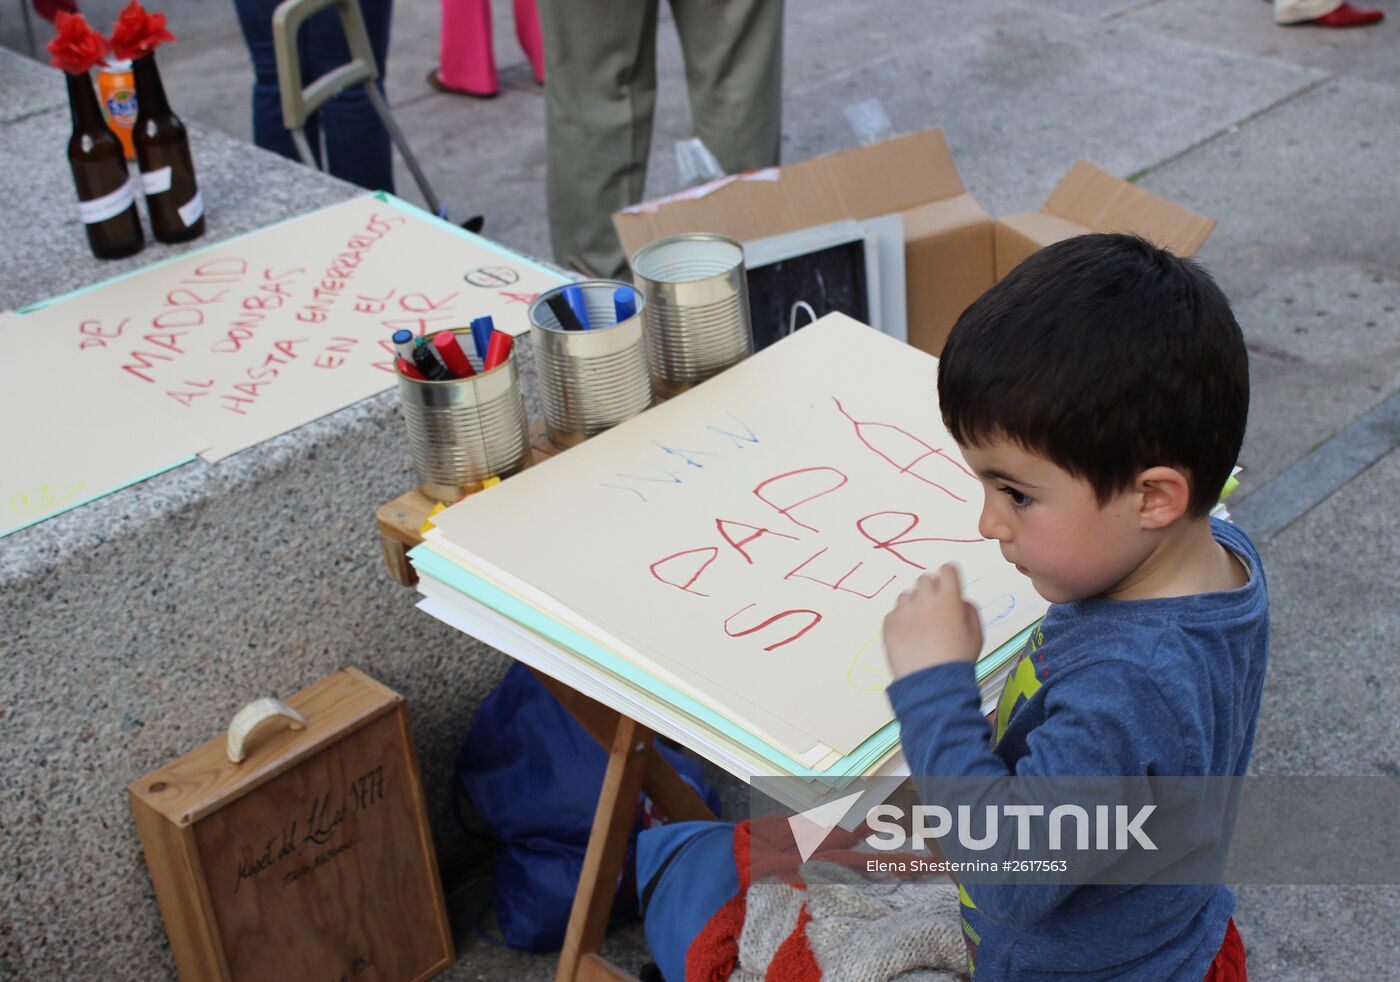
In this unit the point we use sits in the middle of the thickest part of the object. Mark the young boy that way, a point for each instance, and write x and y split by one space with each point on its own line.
1099 392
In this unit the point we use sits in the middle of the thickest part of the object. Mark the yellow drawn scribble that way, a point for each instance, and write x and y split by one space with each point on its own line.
45 497
868 671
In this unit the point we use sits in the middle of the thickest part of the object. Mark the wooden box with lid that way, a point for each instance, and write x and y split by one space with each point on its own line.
309 859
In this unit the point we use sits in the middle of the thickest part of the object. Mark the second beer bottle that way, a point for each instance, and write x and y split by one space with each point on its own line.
163 154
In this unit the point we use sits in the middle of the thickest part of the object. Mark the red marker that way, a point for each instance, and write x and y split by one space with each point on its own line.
409 371
498 349
452 354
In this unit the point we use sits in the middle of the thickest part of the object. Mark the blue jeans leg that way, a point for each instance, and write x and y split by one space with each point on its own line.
357 144
269 131
685 873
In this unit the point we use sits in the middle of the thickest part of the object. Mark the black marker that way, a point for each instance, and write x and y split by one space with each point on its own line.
430 365
568 320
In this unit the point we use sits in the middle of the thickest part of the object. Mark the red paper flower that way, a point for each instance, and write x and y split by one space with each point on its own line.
77 47
137 33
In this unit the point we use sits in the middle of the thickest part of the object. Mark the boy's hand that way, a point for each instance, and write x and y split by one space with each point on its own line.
932 624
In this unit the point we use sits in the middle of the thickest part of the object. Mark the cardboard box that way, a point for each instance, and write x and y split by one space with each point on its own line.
1089 199
949 248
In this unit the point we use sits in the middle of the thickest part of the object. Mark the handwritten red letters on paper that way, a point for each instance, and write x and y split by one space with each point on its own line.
820 554
218 334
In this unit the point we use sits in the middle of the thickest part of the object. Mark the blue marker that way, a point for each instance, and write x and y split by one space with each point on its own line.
624 303
574 295
481 335
403 344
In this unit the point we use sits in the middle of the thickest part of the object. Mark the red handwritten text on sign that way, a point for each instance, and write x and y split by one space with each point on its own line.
247 327
814 550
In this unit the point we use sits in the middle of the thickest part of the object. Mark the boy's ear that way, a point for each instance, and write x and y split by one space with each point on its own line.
1164 495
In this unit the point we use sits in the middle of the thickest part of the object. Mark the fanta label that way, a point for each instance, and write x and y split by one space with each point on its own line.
121 107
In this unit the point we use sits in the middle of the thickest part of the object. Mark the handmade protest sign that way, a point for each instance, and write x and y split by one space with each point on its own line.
255 336
743 541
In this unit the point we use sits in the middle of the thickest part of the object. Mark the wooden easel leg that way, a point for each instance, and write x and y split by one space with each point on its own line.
676 799
632 764
607 847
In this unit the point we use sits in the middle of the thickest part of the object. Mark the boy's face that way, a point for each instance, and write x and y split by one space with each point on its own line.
1050 524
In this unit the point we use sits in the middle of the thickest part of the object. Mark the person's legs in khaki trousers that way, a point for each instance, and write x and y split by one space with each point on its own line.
734 71
600 62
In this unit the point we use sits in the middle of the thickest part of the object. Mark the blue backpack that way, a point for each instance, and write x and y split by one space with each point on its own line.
533 775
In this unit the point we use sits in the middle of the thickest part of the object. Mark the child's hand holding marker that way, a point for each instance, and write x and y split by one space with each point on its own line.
932 624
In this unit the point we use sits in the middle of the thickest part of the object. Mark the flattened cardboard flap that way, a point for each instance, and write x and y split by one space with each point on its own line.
1094 198
864 182
894 175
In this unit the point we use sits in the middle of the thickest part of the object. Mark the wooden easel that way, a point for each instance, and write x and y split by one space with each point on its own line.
633 766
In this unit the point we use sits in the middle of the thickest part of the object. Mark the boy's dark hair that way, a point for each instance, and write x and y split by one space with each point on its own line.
1107 356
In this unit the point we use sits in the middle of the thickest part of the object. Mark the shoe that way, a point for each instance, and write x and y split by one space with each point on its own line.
435 82
1347 16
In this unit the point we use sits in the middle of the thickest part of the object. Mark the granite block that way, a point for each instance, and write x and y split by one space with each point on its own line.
136 625
131 639
28 87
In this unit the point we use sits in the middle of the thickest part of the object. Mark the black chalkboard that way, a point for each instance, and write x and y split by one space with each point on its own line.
830 279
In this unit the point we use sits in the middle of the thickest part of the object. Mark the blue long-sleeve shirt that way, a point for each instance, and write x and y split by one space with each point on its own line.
1144 687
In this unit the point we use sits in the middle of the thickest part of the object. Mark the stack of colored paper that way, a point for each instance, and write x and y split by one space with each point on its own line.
718 567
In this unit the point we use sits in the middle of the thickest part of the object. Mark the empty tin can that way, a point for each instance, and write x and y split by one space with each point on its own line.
697 308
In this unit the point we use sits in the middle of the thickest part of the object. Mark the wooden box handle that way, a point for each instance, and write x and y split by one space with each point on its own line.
253 715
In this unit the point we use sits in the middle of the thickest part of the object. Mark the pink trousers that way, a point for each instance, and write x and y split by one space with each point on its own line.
467 61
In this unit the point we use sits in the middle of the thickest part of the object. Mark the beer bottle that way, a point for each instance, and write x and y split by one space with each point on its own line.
106 193
163 153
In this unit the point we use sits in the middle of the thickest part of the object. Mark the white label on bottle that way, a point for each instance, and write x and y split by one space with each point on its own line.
155 181
191 210
108 206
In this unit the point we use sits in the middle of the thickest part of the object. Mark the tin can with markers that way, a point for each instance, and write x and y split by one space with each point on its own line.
594 379
462 431
116 91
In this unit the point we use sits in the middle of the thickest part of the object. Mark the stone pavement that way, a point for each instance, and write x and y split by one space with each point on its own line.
1287 136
